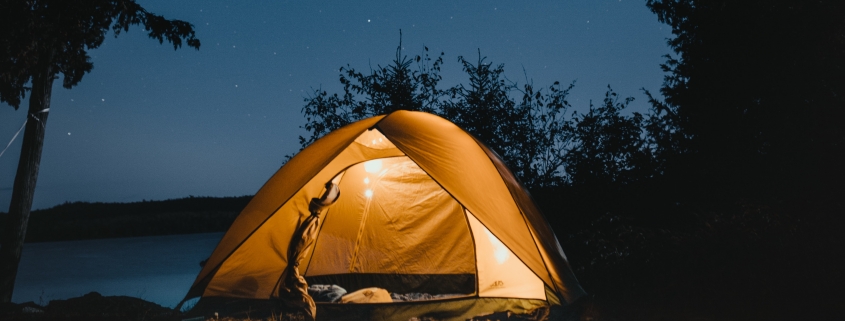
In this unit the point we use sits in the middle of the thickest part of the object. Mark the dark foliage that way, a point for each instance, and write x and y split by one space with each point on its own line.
83 220
385 89
55 35
758 87
525 125
611 149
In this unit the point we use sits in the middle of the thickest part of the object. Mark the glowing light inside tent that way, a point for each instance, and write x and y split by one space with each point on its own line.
366 180
372 166
499 250
368 193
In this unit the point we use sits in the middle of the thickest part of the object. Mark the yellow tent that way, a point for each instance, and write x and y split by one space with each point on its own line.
423 208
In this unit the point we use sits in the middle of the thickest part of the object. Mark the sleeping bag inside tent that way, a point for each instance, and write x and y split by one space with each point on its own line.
427 221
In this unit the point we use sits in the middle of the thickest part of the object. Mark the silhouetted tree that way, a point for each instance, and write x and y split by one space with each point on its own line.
529 134
484 107
385 89
664 138
40 39
610 148
758 87
546 136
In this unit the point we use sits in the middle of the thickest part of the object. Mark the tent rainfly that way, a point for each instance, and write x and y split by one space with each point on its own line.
423 208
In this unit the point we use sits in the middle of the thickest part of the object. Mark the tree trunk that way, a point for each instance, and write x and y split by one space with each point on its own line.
11 241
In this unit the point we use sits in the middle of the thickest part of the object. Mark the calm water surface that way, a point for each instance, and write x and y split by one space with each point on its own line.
159 269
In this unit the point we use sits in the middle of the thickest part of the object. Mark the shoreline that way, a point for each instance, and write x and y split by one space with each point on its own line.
91 306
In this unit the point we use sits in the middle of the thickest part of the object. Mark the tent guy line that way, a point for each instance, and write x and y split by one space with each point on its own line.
45 110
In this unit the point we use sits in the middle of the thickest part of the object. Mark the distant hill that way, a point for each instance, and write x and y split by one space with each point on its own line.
83 220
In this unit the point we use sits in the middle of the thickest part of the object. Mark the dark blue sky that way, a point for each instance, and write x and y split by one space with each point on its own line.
152 123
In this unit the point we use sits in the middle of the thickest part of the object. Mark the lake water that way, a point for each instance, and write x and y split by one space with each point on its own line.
159 269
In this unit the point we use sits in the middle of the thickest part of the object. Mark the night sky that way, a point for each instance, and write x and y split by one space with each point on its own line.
153 123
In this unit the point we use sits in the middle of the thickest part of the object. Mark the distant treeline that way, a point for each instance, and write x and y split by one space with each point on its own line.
84 220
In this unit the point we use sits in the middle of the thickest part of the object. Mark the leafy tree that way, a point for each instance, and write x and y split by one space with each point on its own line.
546 136
483 106
610 148
758 87
385 89
40 39
531 134
528 134
664 138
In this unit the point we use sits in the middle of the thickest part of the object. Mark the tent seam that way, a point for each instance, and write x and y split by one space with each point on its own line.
248 236
480 145
474 248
